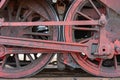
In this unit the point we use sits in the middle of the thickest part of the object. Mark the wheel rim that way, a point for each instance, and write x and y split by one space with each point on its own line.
22 65
2 2
90 10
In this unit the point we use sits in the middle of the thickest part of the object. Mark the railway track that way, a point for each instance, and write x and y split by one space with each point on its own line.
55 74
65 73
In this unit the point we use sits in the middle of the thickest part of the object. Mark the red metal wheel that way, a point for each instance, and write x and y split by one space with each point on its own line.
22 65
92 10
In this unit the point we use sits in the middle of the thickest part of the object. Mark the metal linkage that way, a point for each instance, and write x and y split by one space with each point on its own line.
43 45
49 23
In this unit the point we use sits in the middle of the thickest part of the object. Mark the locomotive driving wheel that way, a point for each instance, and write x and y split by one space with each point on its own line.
100 63
22 65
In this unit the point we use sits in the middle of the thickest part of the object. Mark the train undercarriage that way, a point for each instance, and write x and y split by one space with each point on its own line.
79 33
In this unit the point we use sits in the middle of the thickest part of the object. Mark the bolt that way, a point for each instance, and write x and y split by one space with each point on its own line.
103 20
117 49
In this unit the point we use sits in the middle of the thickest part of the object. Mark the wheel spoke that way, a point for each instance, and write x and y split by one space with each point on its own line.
42 19
100 64
26 15
10 14
30 57
4 61
98 12
38 9
115 62
18 13
85 40
17 61
43 37
38 34
84 15
35 55
85 29
24 57
85 58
